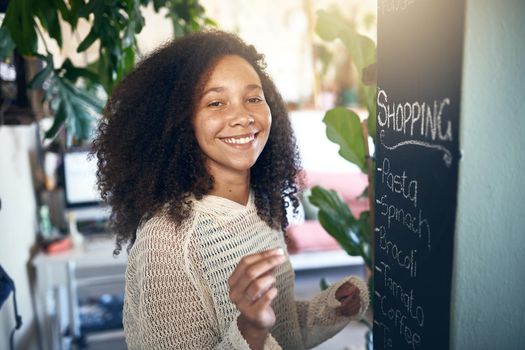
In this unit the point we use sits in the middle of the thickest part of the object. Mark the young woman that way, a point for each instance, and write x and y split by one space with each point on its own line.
198 162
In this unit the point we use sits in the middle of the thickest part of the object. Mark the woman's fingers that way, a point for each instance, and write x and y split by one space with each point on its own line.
259 313
346 290
349 297
247 263
254 290
349 308
258 270
265 299
350 304
259 286
252 287
254 284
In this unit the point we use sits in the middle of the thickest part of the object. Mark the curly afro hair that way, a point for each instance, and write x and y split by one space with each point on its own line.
148 157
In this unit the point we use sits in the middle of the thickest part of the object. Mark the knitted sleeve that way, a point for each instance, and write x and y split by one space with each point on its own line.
317 318
163 307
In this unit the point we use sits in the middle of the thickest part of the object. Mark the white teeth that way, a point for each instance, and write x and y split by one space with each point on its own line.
240 141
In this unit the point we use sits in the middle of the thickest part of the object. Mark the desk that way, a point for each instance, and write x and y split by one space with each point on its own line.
59 278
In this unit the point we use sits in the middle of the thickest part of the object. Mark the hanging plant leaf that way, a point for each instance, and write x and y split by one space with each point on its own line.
129 59
64 11
158 4
75 93
72 73
7 45
48 15
88 40
343 127
76 109
58 121
114 23
84 9
40 77
21 25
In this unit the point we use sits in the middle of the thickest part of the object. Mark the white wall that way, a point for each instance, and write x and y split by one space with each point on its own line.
17 229
318 153
488 282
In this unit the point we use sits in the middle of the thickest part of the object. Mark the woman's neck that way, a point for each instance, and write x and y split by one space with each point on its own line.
234 187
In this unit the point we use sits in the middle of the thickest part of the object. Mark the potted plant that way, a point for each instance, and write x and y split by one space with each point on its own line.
74 95
345 127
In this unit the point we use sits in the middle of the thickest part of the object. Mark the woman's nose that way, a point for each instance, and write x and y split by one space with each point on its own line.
241 116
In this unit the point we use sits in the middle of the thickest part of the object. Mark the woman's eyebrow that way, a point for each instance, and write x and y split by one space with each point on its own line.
248 87
214 89
253 87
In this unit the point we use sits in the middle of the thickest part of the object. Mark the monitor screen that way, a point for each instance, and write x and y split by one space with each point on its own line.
80 179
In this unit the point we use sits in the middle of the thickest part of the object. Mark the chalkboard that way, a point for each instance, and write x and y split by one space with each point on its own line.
420 47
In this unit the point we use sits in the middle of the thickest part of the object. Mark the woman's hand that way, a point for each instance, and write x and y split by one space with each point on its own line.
350 299
252 289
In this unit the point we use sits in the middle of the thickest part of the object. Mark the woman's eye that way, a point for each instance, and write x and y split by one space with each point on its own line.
255 99
215 104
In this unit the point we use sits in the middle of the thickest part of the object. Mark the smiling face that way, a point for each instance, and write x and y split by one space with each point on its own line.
232 119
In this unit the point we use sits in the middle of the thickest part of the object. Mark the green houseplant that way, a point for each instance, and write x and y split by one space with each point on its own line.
345 127
74 96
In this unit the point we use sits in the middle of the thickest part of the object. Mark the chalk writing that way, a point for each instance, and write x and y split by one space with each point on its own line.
395 315
394 5
387 340
416 223
416 312
403 259
409 117
397 183
402 318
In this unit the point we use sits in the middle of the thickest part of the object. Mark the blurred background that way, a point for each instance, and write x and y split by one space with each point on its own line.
60 61
54 81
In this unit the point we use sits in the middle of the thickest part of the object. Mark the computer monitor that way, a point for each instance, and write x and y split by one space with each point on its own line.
81 195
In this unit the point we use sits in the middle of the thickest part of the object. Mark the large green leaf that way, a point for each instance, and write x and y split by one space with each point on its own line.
325 26
80 95
88 40
73 73
77 109
7 44
336 218
65 12
19 20
343 127
58 121
330 25
361 48
40 77
48 15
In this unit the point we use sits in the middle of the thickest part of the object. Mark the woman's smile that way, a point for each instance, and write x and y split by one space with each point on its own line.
239 140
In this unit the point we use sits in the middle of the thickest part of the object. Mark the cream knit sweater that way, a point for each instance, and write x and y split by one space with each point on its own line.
177 284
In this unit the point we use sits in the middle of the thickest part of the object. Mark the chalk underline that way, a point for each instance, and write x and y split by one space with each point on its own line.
447 155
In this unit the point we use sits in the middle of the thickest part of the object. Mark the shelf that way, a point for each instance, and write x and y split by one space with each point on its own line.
105 335
323 260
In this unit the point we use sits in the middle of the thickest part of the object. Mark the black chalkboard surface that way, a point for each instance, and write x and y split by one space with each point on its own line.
420 46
